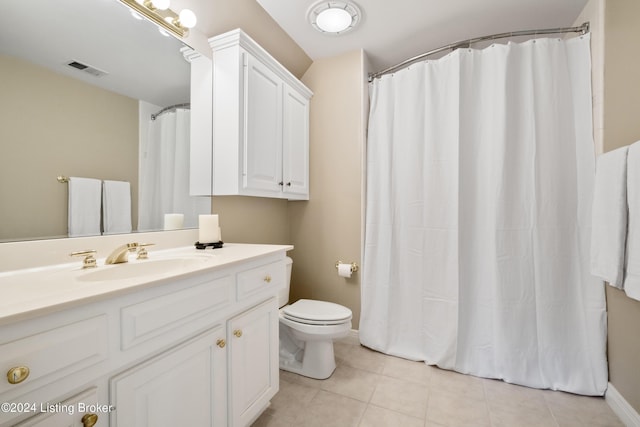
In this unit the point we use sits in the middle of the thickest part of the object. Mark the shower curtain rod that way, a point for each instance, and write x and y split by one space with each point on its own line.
582 29
169 108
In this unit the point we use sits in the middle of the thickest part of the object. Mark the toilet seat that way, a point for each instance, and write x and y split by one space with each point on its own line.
313 312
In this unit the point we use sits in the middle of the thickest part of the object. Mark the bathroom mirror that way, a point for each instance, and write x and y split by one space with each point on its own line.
57 119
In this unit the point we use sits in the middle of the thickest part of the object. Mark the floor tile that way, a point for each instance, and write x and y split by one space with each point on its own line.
457 410
352 382
363 358
299 379
456 383
375 416
513 405
370 389
291 397
571 410
407 370
331 410
402 396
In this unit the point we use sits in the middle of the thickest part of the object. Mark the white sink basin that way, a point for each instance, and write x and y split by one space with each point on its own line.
142 268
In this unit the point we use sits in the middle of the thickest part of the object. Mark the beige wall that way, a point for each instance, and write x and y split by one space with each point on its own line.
326 228
219 16
616 108
622 127
253 219
49 124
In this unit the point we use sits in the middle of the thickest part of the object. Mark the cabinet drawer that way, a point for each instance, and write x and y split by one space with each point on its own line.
54 353
259 279
71 412
172 316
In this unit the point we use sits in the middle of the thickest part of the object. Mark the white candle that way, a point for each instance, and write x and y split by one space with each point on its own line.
173 221
208 231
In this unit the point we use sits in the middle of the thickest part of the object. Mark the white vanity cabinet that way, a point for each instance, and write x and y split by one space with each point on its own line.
189 377
200 349
260 125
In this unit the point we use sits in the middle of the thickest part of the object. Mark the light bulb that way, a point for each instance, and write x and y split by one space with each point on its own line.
187 18
333 20
161 4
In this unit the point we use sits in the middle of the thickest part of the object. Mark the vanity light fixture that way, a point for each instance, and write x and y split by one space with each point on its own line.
334 17
158 12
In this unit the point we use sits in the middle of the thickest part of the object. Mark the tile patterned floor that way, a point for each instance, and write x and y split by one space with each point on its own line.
370 389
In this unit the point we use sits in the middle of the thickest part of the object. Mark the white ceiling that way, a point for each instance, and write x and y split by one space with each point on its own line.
140 62
394 30
144 65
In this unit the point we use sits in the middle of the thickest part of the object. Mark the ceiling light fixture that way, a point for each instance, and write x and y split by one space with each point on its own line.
158 12
334 17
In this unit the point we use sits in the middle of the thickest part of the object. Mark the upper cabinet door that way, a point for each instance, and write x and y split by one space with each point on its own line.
295 145
260 124
263 128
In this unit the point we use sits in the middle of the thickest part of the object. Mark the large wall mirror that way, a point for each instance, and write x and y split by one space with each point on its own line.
56 119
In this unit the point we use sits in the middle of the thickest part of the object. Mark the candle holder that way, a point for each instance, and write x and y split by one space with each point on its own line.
212 245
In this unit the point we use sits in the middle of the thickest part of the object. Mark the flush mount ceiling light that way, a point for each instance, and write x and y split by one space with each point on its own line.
334 17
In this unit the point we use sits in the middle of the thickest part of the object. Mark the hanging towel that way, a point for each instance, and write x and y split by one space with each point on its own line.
609 217
632 274
84 206
116 207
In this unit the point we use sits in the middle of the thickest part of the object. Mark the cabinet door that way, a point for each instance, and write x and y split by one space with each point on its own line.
185 386
262 129
295 146
253 361
86 409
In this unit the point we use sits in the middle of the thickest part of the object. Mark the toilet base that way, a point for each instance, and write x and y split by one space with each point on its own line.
309 356
316 360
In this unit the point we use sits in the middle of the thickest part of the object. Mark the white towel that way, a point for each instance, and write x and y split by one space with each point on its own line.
609 217
84 206
632 274
116 207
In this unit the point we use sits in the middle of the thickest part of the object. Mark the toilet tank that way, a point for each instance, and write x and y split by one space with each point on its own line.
283 295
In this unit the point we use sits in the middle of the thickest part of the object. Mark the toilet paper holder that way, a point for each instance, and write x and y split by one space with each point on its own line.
354 266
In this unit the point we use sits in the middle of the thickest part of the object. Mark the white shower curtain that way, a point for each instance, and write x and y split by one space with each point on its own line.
164 174
479 176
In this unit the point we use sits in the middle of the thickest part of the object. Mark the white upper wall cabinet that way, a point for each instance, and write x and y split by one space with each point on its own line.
259 144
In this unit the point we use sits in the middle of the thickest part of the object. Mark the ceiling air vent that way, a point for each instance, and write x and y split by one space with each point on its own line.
87 69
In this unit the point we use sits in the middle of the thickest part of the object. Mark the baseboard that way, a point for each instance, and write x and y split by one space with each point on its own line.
627 414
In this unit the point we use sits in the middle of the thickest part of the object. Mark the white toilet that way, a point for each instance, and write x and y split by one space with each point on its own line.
307 331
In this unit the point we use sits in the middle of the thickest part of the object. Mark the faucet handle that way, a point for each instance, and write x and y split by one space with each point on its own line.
89 258
142 252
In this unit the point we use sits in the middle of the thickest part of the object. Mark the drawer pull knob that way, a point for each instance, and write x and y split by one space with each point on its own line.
221 343
237 333
267 278
18 374
89 420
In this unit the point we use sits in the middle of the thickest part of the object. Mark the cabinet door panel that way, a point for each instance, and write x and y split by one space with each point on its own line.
296 144
263 128
253 353
184 386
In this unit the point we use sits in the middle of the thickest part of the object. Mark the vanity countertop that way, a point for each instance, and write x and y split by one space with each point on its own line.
35 291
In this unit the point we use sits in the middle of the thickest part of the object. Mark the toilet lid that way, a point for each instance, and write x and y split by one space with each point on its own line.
316 312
